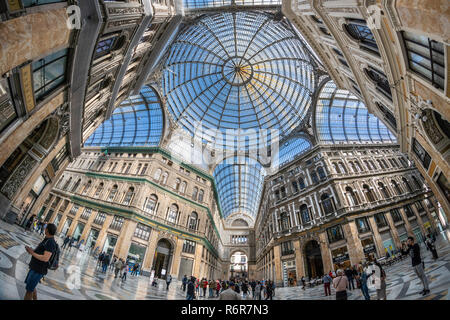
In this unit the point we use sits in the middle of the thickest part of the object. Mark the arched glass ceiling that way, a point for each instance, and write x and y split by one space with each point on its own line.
199 4
239 183
238 70
292 148
342 117
138 121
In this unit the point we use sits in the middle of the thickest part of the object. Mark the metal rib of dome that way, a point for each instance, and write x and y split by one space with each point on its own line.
342 117
239 183
137 122
239 70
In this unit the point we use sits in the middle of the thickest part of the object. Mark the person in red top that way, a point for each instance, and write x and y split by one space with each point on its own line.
204 286
218 288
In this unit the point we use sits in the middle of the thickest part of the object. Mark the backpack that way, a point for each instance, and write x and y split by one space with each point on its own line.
53 262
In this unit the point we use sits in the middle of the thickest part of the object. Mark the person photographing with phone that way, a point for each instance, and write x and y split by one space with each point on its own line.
413 249
40 261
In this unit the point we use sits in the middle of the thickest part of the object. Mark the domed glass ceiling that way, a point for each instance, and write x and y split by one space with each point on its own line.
239 70
137 122
342 117
197 4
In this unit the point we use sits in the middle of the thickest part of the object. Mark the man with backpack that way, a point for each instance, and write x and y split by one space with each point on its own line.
44 257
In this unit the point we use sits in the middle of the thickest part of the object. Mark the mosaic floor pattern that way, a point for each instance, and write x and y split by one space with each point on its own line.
78 278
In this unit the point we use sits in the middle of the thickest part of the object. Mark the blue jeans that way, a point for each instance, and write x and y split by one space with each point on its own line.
32 280
365 291
189 297
211 294
105 267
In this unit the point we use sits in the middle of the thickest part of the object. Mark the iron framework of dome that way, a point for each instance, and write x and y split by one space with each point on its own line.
343 118
239 70
137 122
197 4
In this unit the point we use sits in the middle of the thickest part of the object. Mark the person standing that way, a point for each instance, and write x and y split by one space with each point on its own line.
245 289
430 244
184 283
168 281
218 286
125 271
413 249
230 293
327 284
118 267
303 283
190 294
349 275
197 287
269 290
39 261
66 241
105 263
212 286
204 286
363 277
340 283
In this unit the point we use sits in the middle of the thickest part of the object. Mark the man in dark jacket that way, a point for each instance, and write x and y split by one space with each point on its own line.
184 281
413 249
190 294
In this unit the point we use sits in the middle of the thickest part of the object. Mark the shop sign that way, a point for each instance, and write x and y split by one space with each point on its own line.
341 258
369 249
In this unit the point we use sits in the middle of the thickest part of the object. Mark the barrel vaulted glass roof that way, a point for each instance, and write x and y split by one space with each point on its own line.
239 70
200 4
342 117
138 121
239 183
292 148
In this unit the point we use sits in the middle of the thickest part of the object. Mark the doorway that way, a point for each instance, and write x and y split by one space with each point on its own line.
163 258
314 264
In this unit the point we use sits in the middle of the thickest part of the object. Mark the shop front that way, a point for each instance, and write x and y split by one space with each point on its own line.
402 234
341 258
369 247
136 256
110 244
289 274
388 242
66 227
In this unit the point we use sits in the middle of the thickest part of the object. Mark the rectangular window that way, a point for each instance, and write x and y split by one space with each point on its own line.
104 47
74 209
396 216
49 72
426 58
335 234
32 3
86 214
59 158
420 152
408 211
117 223
363 225
380 220
100 218
189 247
419 206
142 232
287 248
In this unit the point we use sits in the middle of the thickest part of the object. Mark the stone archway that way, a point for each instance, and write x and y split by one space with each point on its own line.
163 259
238 264
313 259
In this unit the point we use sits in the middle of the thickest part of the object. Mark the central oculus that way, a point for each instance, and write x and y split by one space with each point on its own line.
237 71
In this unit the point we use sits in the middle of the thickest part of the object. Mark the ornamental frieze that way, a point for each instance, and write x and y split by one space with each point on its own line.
125 11
18 177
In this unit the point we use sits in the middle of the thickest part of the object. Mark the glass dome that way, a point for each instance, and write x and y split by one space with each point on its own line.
240 70
342 117
137 122
239 182
199 4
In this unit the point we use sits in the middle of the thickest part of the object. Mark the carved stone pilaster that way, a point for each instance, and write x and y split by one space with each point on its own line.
18 177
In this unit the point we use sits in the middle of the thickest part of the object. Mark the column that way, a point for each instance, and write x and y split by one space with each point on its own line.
377 237
151 249
394 231
177 258
278 268
103 232
124 240
197 260
299 259
354 246
326 253
405 219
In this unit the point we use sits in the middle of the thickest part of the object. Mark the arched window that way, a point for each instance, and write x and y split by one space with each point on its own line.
336 167
407 185
157 175
351 197
76 185
396 187
359 31
150 204
366 163
381 164
353 167
112 193
369 193
294 186
304 213
86 187
192 223
384 190
372 164
327 204
128 196
164 177
138 168
358 167
67 183
201 195
417 183
301 183
322 174
177 183
285 222
99 190
342 167
385 163
183 187
172 214
314 177
380 80
195 193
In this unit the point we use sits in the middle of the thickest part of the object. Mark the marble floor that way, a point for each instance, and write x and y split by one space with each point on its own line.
78 278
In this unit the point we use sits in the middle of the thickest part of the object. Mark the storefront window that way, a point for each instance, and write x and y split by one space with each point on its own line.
363 225
335 234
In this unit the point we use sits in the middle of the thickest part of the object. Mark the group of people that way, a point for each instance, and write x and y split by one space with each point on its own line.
35 224
119 266
372 274
233 289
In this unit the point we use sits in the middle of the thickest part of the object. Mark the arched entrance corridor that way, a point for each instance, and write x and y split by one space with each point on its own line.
313 259
162 259
239 265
